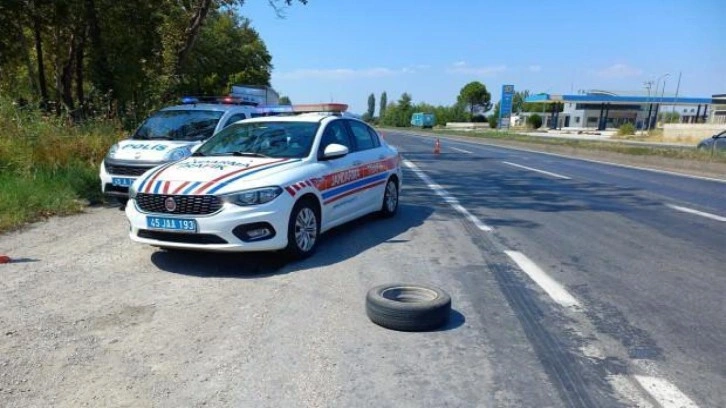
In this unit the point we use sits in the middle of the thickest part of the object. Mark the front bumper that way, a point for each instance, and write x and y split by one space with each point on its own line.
122 170
216 232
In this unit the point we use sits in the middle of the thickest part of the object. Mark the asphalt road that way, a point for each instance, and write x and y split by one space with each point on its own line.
583 291
643 253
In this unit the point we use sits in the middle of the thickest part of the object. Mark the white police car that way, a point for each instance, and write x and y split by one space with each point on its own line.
268 183
167 135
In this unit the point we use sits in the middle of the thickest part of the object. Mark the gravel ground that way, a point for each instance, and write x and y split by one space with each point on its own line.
89 318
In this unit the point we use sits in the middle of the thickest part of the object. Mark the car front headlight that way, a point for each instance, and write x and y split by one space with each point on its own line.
178 154
112 151
253 197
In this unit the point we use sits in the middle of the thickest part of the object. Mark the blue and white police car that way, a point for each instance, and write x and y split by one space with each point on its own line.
268 183
167 135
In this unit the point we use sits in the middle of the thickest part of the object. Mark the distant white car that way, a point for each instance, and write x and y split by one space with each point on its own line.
167 135
269 183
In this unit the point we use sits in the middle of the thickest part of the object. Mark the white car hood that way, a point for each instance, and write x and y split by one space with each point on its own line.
147 150
211 175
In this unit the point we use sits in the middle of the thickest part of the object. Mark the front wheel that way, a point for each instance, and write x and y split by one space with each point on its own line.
390 199
303 230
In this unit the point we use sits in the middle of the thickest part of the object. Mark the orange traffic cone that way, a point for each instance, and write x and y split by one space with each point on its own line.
437 146
4 259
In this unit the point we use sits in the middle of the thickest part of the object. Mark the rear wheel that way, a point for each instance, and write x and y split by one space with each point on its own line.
390 198
303 230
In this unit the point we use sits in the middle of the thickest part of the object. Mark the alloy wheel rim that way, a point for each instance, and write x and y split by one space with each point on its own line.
306 229
391 196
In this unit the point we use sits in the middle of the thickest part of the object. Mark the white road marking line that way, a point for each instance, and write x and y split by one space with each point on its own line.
451 200
671 173
630 390
559 176
460 150
665 393
696 212
556 291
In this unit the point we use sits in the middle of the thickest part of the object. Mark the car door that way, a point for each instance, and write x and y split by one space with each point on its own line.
369 154
341 201
720 142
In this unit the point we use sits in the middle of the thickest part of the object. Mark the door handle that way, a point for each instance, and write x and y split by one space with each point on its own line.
357 163
381 157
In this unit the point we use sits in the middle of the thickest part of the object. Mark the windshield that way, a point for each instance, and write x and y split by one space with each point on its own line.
188 125
263 139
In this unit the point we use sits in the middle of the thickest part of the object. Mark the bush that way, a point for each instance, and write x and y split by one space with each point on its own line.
48 166
479 119
492 119
534 121
626 129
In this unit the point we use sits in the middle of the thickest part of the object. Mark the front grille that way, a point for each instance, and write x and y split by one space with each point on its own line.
110 188
183 238
126 170
185 204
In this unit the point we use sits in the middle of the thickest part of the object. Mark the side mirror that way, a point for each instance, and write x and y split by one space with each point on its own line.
334 151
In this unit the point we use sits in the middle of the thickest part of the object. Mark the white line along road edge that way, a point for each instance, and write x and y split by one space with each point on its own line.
556 291
667 394
453 202
696 212
460 150
559 176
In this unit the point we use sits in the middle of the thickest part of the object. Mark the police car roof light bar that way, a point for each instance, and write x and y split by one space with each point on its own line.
320 107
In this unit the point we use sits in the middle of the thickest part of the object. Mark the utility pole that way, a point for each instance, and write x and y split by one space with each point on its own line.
678 88
648 85
665 77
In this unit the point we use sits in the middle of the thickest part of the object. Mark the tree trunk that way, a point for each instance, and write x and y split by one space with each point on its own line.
190 34
66 77
39 56
28 62
100 66
79 71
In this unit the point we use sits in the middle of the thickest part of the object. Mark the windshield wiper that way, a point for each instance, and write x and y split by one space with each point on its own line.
239 154
248 154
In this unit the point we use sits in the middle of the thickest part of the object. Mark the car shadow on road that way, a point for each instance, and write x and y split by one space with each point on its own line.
337 245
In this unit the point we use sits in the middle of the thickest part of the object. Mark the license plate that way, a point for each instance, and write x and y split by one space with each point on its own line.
122 181
171 224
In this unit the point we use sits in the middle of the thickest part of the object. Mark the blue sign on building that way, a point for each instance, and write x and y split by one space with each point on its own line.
505 105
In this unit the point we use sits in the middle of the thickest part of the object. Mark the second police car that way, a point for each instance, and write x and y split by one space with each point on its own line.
269 183
167 135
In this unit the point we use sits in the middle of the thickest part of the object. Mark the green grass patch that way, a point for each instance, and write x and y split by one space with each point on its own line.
48 166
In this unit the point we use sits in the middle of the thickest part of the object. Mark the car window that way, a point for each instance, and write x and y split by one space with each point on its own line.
235 118
363 138
335 132
270 139
374 136
179 125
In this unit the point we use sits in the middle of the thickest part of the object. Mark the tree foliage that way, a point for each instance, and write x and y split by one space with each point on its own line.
399 113
534 121
383 103
371 106
475 97
285 100
126 57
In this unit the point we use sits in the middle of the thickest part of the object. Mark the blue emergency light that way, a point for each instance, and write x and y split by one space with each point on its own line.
269 110
186 100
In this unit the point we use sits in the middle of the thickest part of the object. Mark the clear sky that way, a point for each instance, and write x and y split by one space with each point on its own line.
342 50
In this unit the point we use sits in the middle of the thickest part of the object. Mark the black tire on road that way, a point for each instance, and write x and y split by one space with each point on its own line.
389 206
305 220
406 307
